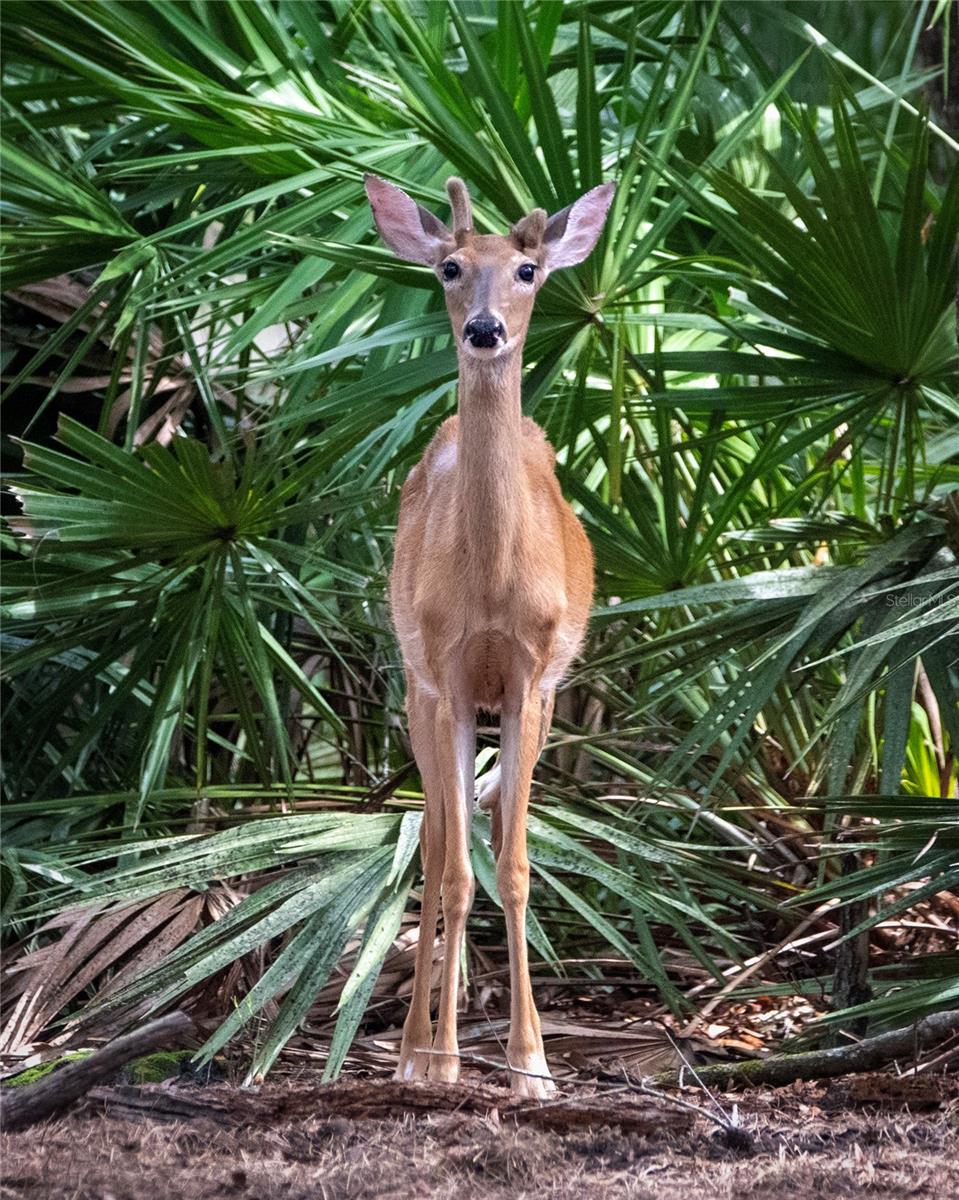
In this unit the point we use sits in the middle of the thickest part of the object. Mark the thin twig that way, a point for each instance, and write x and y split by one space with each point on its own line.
687 1065
729 1124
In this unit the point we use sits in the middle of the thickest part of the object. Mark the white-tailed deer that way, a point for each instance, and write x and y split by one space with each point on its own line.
490 592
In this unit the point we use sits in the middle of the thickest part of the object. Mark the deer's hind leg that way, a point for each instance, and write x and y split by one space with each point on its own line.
489 786
417 1029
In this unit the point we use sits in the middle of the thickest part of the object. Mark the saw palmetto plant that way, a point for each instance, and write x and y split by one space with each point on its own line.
216 380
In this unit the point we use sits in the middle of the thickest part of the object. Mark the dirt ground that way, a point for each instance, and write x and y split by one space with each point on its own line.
808 1142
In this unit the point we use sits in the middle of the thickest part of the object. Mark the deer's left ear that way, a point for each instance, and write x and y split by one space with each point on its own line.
572 233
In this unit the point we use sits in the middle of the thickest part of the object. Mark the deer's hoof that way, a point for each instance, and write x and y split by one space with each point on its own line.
443 1068
413 1066
530 1077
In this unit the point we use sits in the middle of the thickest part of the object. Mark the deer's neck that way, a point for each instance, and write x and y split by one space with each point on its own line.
491 480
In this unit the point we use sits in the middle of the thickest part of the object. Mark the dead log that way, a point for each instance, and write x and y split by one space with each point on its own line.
24 1106
380 1099
868 1055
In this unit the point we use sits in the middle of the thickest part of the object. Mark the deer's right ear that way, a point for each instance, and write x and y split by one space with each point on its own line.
410 231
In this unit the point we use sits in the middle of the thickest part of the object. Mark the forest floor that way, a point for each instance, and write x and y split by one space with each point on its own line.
853 1137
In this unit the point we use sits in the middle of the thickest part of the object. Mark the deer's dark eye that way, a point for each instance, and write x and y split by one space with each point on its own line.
526 272
450 270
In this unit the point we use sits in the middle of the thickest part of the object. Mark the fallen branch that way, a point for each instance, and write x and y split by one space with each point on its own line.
868 1055
26 1105
379 1099
729 1124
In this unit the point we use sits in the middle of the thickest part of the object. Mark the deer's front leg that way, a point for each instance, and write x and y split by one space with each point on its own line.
417 1029
520 745
455 746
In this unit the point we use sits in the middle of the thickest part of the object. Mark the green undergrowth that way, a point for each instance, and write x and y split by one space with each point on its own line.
152 1068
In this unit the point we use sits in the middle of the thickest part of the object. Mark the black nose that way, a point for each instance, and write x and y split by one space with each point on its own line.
483 332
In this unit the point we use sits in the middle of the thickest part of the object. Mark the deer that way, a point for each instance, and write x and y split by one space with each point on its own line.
490 592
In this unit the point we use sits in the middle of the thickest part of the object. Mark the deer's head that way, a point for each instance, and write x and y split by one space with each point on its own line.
489 280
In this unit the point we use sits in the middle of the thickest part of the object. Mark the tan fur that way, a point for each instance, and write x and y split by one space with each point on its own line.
494 520
490 593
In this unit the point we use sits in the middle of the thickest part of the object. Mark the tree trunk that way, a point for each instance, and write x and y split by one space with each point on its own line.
851 976
869 1055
